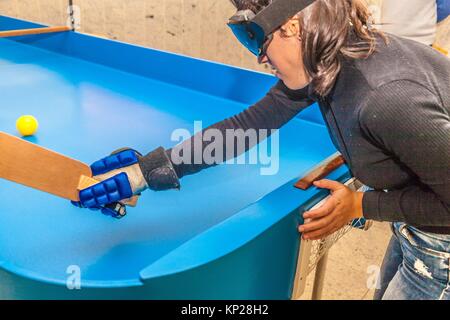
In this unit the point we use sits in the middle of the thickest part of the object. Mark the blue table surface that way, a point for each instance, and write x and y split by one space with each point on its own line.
87 110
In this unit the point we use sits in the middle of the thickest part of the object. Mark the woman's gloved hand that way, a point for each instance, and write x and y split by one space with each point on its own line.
124 174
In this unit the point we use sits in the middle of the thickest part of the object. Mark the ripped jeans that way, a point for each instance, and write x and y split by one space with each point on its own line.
416 266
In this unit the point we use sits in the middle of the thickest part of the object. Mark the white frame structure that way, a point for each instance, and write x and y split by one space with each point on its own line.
314 254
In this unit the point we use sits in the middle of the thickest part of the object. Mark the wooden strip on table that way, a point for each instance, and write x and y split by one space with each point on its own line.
24 32
321 171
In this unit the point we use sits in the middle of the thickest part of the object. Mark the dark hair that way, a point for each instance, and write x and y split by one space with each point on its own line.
330 31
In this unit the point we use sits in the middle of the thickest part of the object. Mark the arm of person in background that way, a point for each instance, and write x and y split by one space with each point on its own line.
410 122
443 9
127 173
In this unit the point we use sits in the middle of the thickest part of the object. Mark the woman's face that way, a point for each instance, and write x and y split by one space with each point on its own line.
284 54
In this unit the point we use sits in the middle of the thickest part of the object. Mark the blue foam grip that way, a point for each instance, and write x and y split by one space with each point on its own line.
81 206
115 161
111 190
115 210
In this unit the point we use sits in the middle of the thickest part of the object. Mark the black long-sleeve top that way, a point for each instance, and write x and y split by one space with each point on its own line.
389 116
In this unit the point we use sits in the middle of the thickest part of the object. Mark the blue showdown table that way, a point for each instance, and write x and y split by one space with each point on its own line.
229 233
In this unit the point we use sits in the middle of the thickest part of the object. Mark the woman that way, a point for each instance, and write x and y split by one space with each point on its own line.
386 102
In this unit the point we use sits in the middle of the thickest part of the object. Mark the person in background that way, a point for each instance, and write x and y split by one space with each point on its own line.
413 19
443 9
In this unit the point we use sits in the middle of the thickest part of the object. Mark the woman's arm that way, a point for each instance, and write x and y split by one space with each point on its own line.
273 111
413 124
126 172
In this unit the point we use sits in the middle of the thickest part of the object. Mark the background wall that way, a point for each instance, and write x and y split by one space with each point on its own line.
192 27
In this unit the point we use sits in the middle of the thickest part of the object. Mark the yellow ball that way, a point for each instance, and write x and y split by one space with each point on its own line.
27 125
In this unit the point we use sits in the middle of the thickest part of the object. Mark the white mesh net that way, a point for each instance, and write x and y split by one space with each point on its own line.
320 247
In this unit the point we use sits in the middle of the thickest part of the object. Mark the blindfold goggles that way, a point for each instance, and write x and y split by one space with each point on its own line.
255 31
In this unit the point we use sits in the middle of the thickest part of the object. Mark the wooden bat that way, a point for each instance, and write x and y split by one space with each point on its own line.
43 169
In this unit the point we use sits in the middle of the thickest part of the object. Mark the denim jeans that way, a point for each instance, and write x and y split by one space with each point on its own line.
416 266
